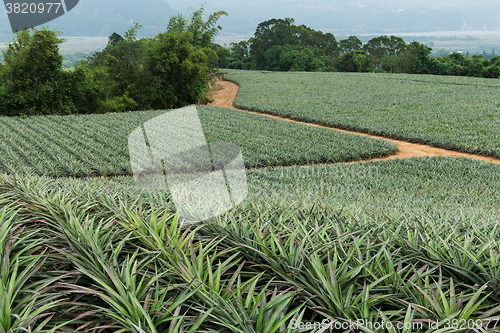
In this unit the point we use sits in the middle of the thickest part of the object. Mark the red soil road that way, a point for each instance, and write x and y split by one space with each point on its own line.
224 92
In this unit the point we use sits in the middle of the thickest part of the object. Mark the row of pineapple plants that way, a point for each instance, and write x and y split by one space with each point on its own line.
457 113
88 262
97 144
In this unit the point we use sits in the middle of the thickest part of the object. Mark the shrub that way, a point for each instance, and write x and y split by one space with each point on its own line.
178 70
354 61
492 71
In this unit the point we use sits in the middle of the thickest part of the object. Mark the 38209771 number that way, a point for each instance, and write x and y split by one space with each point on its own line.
32 8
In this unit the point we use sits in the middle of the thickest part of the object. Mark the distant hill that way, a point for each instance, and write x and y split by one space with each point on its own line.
101 18
359 16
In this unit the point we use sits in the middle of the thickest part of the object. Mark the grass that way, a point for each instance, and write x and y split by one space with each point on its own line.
92 145
457 113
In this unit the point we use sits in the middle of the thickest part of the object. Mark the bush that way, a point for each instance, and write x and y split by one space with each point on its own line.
162 72
178 70
354 61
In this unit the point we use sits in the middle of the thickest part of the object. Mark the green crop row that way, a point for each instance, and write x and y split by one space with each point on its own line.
81 255
456 188
87 145
459 188
458 113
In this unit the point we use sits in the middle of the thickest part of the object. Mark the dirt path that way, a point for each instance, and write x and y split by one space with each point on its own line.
224 93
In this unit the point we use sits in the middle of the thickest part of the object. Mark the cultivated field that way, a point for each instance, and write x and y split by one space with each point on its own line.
93 145
405 245
457 113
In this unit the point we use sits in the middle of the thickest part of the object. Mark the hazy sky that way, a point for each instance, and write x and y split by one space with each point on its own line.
102 17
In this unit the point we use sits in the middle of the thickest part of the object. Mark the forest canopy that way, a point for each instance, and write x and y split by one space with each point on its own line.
280 45
166 71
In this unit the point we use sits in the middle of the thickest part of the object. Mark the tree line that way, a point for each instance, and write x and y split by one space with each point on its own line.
166 71
280 45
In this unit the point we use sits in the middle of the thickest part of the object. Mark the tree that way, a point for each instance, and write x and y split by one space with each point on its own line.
492 68
178 69
398 46
177 24
129 79
271 33
303 58
31 80
377 48
350 44
354 61
240 49
114 38
418 60
238 56
325 43
203 33
131 34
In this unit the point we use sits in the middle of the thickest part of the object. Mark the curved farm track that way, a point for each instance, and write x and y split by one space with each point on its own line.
224 92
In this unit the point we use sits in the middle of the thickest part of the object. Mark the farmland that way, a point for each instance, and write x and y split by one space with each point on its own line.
406 241
456 113
92 145
258 266
439 187
458 188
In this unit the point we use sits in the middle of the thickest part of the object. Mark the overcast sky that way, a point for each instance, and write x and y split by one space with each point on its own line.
102 17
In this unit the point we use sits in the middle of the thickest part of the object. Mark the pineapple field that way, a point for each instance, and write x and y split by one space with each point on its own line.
96 145
318 245
457 113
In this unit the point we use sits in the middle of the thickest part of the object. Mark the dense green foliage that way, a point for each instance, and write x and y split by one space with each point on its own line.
460 65
87 145
354 61
165 71
152 73
457 113
279 45
96 254
413 242
31 80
